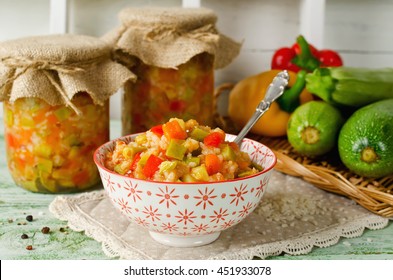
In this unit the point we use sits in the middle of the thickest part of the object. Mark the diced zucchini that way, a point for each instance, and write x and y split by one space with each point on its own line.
47 182
45 165
167 166
198 134
27 121
123 167
257 166
74 152
130 151
9 118
188 178
228 153
176 149
143 159
43 150
62 113
61 174
245 173
73 140
30 185
193 161
200 173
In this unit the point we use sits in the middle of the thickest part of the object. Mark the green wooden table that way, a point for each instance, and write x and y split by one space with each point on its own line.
62 243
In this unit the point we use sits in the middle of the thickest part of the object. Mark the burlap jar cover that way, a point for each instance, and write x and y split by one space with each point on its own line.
169 37
56 67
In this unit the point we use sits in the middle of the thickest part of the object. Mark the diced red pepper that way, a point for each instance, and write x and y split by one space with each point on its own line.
151 166
173 130
135 161
213 164
157 130
214 139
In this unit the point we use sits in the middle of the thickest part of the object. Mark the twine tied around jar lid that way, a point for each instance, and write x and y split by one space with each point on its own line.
169 37
56 67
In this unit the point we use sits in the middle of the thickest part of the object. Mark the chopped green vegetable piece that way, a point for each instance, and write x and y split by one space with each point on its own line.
122 167
176 149
9 117
245 173
45 165
187 178
195 161
43 150
228 153
200 173
130 151
46 182
167 166
257 166
198 134
27 121
62 113
143 159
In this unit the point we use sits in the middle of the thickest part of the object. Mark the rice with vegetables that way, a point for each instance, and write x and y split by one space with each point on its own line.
180 151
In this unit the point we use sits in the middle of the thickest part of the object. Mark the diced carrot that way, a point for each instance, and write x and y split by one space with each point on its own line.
10 140
243 164
151 166
52 120
214 139
157 130
213 164
173 130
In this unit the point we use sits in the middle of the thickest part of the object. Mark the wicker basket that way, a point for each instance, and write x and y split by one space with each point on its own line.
327 173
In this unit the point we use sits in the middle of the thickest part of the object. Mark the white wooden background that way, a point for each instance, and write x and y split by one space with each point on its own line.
361 30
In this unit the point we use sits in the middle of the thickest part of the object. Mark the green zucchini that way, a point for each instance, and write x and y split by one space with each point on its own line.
350 86
365 142
313 128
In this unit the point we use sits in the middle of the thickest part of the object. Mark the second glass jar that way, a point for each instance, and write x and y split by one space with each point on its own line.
161 93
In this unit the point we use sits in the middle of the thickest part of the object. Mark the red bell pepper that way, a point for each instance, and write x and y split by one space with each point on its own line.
151 166
214 139
304 56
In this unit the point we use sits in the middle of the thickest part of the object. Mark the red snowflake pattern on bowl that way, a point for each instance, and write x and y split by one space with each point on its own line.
167 196
205 198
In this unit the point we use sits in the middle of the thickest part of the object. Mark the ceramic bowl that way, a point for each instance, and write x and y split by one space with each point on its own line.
187 214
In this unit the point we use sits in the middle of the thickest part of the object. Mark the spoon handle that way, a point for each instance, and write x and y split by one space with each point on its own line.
274 91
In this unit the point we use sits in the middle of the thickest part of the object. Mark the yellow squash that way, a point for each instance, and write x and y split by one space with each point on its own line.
245 97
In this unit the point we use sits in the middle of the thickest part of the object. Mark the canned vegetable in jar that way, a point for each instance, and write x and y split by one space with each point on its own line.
173 52
55 91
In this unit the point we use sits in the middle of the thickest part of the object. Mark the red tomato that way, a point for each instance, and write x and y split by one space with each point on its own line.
314 51
330 58
282 60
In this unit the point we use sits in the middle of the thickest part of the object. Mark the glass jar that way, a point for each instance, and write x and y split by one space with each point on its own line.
162 93
50 148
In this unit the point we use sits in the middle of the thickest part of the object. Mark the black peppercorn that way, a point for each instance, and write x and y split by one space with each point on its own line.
24 236
29 218
45 230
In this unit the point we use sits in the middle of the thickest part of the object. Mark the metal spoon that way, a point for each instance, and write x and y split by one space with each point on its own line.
274 91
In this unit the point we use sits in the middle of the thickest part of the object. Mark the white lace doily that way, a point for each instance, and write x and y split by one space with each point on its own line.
293 217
